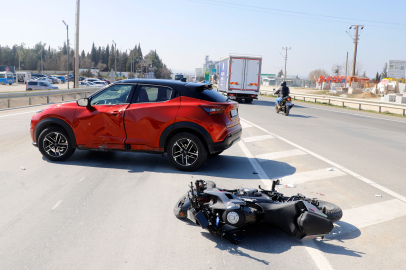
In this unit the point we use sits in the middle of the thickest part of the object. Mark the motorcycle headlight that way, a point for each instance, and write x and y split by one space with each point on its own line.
233 217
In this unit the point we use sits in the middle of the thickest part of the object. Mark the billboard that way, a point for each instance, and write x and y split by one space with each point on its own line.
396 69
8 68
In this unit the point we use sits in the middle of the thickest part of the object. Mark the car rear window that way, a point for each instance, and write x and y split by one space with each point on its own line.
208 94
32 83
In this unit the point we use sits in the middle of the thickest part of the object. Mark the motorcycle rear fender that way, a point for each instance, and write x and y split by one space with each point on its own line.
283 216
298 219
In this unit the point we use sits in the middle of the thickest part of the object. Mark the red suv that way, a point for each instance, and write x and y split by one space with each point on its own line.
188 121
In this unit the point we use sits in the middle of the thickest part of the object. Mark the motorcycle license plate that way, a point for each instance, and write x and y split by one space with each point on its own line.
234 113
288 104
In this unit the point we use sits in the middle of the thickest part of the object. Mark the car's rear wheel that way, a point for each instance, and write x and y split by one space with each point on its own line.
186 151
54 144
29 89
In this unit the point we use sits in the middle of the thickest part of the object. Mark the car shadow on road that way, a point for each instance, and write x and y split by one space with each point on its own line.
223 166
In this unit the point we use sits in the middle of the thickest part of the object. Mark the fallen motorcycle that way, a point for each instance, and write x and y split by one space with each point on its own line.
226 212
284 106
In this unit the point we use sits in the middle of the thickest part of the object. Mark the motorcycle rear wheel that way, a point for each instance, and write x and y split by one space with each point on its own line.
287 109
334 213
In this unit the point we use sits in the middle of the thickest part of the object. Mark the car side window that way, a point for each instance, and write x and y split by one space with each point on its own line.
115 94
153 94
43 84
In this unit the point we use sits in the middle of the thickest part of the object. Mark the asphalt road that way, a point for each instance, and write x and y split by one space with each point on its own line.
114 210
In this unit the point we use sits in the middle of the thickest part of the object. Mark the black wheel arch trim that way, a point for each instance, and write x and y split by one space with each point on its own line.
171 129
49 122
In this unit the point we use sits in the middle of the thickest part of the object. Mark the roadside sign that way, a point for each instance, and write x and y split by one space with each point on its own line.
214 70
206 75
7 69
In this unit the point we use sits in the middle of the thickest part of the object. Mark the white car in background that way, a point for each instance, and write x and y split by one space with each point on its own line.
90 80
101 83
45 79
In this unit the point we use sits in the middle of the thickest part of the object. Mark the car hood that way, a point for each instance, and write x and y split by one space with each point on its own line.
61 106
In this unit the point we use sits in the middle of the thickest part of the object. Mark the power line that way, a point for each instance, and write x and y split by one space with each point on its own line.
267 10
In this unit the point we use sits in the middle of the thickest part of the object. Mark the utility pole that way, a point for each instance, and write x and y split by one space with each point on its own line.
354 61
67 45
286 57
76 78
42 67
19 53
115 57
346 65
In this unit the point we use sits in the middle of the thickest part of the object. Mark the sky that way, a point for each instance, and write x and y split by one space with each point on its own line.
183 32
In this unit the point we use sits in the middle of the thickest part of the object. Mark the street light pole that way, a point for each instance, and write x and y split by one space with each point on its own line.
286 57
67 45
115 57
76 66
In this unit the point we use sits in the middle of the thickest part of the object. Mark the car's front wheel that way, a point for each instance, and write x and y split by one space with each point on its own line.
186 151
54 144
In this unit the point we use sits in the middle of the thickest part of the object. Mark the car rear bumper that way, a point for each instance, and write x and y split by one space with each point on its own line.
230 139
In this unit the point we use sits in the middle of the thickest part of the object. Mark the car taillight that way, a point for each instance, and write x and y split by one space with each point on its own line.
213 109
231 95
253 95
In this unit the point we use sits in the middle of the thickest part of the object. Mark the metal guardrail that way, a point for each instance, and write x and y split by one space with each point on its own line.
48 93
379 104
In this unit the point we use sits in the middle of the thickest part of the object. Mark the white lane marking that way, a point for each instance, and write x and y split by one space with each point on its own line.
367 215
278 155
303 177
81 179
316 254
311 247
366 116
19 113
372 183
258 169
56 205
258 138
245 124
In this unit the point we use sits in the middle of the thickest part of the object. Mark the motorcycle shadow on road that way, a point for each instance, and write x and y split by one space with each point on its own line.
269 239
222 166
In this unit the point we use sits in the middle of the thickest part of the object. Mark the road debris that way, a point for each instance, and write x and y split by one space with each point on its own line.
320 194
290 185
377 195
254 173
330 169
22 168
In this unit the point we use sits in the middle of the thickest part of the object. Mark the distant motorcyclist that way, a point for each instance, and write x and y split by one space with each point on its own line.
283 91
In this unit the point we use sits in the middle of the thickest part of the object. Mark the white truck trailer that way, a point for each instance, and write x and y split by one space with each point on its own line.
239 76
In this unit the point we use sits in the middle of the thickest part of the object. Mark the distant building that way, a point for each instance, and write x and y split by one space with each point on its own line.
208 64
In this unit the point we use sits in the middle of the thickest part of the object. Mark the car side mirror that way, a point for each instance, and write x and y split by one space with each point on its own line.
83 102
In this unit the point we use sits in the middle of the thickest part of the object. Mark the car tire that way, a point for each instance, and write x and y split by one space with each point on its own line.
186 151
29 89
54 144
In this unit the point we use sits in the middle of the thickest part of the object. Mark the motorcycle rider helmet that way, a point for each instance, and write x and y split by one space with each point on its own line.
283 84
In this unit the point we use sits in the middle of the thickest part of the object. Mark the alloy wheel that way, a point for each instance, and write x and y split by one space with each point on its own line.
185 152
55 144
